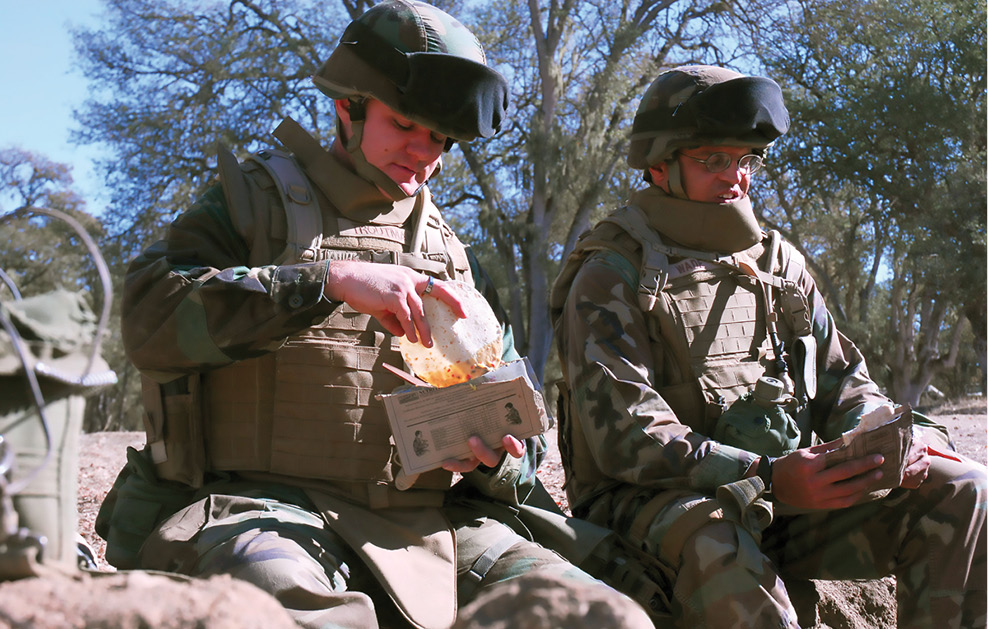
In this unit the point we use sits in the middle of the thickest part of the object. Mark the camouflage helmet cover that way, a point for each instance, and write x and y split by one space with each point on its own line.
696 105
421 62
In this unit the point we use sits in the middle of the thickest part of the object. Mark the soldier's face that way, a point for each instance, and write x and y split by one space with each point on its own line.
405 151
702 185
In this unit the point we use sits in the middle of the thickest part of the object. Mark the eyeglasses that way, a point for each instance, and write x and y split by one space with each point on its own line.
719 162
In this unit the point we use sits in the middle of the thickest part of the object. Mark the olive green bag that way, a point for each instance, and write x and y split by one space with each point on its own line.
49 363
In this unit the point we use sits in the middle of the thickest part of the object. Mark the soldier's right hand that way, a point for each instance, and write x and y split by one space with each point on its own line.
390 293
801 479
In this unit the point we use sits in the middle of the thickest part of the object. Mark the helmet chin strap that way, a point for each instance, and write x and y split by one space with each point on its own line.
675 180
367 170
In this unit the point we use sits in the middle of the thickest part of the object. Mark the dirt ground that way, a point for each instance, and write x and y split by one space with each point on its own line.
103 454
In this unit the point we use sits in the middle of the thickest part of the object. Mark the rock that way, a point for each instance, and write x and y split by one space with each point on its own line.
136 600
844 604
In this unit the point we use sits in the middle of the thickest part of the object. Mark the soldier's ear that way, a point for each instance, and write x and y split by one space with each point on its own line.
343 113
659 175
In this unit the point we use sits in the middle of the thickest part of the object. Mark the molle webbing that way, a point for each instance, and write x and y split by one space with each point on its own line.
702 287
412 261
308 409
727 357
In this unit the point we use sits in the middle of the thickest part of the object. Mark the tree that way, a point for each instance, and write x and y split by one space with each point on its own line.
881 180
176 78
575 78
40 253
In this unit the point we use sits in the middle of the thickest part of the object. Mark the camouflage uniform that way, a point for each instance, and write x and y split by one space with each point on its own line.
639 458
336 541
196 284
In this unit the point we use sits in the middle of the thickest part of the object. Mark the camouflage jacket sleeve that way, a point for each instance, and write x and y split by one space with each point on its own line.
191 302
513 479
845 391
633 434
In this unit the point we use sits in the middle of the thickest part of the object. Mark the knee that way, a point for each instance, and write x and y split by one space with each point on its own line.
541 599
273 563
715 544
966 484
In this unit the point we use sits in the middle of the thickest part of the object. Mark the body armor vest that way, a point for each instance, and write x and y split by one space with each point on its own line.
707 317
307 410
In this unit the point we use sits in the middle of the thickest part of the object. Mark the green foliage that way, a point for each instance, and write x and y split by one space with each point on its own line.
880 183
576 76
885 182
174 79
39 253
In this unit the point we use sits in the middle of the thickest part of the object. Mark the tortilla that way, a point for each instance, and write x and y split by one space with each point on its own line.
462 349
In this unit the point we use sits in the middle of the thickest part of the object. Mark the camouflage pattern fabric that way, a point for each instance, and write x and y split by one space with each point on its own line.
412 26
422 62
273 537
191 303
629 451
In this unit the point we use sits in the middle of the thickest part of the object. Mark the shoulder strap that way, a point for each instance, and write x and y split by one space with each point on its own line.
654 268
302 211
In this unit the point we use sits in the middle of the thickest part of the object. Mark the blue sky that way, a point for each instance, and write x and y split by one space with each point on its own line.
40 87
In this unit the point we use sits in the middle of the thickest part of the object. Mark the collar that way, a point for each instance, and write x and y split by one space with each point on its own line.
355 197
362 201
720 227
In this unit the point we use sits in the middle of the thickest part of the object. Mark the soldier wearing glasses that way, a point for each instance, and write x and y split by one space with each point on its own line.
677 310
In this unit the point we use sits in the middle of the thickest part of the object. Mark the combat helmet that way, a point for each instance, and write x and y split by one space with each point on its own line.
705 105
420 62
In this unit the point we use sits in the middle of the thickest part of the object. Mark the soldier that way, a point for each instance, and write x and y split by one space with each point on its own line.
668 313
261 325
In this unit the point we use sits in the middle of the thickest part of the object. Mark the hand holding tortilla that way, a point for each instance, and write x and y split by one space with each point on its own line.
462 348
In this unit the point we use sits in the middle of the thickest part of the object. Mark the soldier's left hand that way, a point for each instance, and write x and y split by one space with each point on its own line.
483 454
917 463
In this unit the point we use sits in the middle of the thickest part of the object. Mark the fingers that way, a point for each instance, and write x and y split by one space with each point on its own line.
487 455
800 479
461 466
421 331
852 469
442 292
484 454
917 469
416 326
390 323
513 446
392 294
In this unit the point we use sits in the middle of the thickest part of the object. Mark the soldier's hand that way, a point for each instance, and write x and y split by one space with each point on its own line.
482 453
801 479
917 463
390 293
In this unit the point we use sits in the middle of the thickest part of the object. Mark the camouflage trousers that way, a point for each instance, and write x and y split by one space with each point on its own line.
729 571
275 539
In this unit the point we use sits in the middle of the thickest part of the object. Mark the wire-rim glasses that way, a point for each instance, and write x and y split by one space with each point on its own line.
719 162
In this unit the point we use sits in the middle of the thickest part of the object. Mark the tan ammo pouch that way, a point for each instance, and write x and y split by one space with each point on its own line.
173 422
134 507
